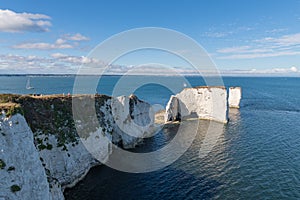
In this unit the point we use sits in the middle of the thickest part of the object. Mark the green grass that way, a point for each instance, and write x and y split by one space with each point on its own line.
53 115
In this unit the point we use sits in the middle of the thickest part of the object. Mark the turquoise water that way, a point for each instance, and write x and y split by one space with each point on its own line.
256 157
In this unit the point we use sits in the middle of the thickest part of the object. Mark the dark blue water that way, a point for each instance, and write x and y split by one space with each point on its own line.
153 93
257 155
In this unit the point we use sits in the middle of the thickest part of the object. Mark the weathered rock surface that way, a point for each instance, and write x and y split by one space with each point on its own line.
133 120
200 102
172 110
23 167
235 95
52 157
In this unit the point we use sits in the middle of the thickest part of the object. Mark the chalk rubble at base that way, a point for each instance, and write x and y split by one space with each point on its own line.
235 95
204 102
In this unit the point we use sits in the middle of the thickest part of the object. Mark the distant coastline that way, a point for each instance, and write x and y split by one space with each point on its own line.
160 75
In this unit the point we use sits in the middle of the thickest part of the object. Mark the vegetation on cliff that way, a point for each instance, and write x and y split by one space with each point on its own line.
52 114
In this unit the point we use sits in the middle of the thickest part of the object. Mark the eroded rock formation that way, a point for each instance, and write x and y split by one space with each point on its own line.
40 161
235 95
200 102
21 167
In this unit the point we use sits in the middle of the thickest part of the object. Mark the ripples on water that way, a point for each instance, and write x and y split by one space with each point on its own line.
257 154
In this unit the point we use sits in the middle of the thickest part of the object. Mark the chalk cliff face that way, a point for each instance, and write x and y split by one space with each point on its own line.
201 102
134 117
172 110
21 166
49 156
235 95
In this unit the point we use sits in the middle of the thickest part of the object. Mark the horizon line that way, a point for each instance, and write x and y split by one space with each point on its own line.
166 75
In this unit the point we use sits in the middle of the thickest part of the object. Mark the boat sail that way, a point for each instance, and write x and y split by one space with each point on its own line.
28 86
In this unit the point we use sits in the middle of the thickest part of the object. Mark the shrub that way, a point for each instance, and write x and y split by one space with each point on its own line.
42 147
14 110
49 146
11 168
2 164
15 188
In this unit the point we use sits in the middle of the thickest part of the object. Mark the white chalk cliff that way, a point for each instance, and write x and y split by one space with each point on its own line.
34 165
203 102
22 167
235 95
134 117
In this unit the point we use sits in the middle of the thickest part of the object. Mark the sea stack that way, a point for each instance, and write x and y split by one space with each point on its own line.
235 95
172 111
203 102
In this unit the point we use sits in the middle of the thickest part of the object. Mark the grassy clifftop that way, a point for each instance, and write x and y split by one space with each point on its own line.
52 114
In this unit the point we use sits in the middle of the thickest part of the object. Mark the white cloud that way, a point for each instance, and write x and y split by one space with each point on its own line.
11 21
216 34
234 49
11 64
260 55
245 28
284 70
56 63
44 46
75 37
286 40
244 49
277 30
58 55
286 45
65 42
293 71
62 63
77 60
60 41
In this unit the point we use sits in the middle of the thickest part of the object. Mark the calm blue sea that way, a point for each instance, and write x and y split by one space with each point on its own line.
257 156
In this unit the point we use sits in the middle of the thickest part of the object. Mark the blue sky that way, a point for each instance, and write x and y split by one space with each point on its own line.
241 36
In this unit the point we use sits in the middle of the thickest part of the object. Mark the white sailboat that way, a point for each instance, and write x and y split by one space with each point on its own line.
28 86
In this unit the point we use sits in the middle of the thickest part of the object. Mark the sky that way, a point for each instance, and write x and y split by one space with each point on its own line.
241 36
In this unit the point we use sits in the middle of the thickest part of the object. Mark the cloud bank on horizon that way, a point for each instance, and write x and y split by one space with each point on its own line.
33 43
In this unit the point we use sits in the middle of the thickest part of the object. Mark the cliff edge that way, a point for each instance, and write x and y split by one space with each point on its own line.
40 151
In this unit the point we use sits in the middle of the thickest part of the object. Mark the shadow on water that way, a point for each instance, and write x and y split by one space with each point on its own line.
190 177
257 156
105 183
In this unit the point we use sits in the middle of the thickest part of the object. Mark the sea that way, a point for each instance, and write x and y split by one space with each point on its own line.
256 156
